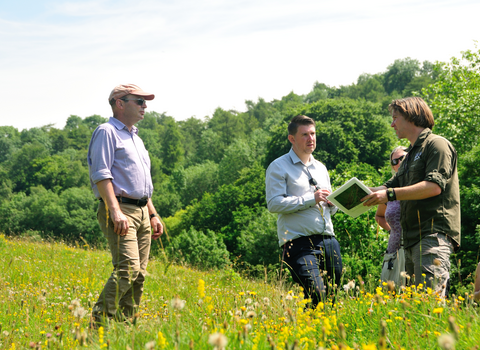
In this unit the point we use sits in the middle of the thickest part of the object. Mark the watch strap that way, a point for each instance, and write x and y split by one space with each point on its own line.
391 196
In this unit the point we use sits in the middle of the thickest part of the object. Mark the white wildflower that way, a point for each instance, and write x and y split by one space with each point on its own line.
150 345
218 340
79 312
446 342
178 303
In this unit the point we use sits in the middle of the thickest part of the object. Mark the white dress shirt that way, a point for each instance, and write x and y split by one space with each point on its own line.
290 194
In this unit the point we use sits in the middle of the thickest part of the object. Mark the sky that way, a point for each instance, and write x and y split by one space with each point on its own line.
60 58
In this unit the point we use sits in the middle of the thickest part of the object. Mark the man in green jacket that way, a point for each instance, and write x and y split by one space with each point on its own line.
427 186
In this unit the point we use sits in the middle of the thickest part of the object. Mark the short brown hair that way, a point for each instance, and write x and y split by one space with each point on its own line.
415 110
297 121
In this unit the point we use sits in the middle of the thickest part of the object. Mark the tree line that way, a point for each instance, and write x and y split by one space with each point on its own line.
209 174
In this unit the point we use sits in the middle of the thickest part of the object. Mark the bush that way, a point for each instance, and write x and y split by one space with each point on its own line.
202 250
67 216
258 241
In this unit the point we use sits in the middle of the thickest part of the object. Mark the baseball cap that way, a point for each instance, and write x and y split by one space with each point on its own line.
128 89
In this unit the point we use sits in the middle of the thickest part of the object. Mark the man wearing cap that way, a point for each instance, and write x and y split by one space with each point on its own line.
119 168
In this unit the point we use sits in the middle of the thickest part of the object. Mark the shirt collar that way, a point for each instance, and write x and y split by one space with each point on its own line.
295 159
421 138
120 126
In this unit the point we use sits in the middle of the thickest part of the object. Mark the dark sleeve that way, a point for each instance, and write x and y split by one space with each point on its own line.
393 182
441 160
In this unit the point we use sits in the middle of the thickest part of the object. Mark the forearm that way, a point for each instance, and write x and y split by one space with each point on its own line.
105 188
376 189
380 217
382 222
120 221
421 190
155 221
151 208
290 204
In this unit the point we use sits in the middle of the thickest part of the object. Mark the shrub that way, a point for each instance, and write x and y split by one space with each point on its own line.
258 241
202 250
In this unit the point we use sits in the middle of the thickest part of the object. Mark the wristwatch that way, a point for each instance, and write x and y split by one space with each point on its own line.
391 194
153 215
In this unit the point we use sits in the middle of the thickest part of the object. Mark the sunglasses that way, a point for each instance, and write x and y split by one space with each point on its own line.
397 160
138 101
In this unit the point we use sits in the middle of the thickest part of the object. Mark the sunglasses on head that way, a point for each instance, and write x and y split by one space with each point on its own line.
138 101
396 161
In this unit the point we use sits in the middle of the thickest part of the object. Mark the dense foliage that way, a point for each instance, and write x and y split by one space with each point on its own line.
209 174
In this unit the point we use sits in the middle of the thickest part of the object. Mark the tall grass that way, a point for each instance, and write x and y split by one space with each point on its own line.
47 291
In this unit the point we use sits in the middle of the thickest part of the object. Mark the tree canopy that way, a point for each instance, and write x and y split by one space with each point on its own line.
209 174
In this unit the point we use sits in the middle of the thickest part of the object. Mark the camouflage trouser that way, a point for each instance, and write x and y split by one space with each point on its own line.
122 292
430 257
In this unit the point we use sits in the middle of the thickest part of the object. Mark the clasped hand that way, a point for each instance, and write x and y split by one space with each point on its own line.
321 196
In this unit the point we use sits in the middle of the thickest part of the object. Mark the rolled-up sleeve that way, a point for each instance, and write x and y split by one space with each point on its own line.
441 162
392 183
101 155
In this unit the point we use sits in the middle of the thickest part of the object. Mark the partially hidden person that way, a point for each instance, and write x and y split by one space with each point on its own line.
476 293
388 217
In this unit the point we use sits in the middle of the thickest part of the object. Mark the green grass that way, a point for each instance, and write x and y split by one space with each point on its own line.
39 282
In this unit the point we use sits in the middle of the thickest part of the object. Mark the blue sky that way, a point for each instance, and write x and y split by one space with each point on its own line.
59 58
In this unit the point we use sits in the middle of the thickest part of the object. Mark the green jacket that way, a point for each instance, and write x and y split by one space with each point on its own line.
432 158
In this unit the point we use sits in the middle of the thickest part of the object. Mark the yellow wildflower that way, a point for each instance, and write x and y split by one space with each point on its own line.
201 288
162 342
369 347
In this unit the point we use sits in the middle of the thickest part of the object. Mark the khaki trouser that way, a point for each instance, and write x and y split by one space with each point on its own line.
122 292
431 257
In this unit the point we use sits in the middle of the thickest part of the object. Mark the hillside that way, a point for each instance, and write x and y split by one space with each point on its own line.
47 290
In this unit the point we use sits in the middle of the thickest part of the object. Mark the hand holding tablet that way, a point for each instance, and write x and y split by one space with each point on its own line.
347 197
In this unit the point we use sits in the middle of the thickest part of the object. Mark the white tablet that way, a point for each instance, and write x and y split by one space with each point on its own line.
347 197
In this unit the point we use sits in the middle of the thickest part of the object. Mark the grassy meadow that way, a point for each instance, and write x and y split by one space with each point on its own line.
47 291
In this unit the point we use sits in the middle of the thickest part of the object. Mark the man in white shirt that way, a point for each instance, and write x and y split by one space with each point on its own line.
297 187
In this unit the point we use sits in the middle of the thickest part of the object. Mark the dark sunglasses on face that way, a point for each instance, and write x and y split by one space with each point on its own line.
396 161
138 101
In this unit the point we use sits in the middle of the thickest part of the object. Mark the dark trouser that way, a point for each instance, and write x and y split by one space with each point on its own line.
308 258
